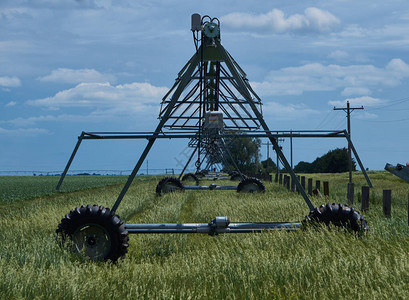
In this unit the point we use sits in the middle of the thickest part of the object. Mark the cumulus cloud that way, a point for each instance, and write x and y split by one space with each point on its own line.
313 20
130 98
338 55
23 131
63 75
287 112
348 91
6 81
359 101
31 121
366 116
353 79
11 103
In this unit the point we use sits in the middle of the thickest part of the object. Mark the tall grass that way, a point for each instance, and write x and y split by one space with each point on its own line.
311 264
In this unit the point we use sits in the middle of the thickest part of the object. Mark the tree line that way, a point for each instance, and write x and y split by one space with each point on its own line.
245 151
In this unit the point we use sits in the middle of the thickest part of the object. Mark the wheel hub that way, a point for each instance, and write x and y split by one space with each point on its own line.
92 240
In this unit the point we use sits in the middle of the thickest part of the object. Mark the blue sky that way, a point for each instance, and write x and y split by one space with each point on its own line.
68 66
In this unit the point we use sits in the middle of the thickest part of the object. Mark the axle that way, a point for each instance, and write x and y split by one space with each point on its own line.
216 226
211 187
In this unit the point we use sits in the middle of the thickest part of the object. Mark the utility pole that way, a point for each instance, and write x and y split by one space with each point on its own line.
348 110
291 148
268 152
278 166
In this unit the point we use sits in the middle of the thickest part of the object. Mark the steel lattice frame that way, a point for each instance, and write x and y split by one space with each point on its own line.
210 81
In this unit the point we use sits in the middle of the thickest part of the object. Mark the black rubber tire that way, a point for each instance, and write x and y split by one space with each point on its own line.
339 215
191 177
200 174
251 185
93 228
204 172
168 185
236 177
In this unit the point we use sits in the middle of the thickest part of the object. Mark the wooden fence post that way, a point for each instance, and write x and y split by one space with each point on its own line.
365 198
303 182
276 178
310 186
387 199
318 185
326 188
292 185
288 182
280 182
299 178
350 193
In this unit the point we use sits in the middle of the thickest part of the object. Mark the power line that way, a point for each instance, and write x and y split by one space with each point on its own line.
386 121
392 103
323 120
348 110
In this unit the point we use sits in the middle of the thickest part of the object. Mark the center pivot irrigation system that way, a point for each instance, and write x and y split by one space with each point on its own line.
211 101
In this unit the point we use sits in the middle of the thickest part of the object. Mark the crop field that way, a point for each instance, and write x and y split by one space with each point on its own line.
327 263
16 188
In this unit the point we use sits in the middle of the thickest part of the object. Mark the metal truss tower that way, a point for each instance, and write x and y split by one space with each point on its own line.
210 100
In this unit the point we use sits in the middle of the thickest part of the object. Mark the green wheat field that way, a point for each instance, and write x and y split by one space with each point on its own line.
311 264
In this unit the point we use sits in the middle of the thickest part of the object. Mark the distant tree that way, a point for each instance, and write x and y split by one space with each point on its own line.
268 166
245 152
304 167
335 161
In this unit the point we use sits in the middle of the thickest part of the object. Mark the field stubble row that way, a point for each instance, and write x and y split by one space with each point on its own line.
322 264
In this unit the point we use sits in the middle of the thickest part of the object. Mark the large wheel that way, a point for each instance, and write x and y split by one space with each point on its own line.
251 185
200 174
338 215
235 176
168 185
94 231
204 172
190 177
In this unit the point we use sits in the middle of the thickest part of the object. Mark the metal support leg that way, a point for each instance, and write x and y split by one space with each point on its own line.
186 78
233 161
291 172
188 162
133 174
242 88
358 159
70 161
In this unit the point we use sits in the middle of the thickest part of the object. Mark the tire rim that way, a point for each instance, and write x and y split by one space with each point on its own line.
170 187
251 188
92 240
189 178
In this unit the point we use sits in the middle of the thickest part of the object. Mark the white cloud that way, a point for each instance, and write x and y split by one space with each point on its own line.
11 103
127 98
338 55
349 91
23 131
62 75
30 121
6 81
366 115
286 112
313 20
318 77
359 101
